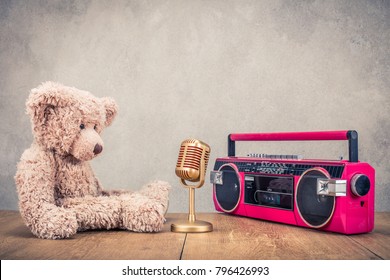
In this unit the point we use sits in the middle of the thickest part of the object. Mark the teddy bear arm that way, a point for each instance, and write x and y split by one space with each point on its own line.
132 211
35 185
95 212
124 209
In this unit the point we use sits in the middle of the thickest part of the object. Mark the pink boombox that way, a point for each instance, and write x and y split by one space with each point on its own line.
330 195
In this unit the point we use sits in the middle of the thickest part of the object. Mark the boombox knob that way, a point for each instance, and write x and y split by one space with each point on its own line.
360 184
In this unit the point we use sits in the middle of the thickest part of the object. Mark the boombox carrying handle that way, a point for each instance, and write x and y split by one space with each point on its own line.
350 135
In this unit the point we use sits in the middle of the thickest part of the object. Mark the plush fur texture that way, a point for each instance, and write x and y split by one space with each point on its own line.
58 191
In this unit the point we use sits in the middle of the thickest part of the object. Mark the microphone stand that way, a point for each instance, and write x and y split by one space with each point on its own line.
192 224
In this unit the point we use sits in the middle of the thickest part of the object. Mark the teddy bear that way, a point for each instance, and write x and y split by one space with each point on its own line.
58 192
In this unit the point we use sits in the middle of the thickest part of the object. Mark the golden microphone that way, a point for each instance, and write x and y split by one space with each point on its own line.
191 166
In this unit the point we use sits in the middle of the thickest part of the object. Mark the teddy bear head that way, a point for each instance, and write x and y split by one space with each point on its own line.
69 121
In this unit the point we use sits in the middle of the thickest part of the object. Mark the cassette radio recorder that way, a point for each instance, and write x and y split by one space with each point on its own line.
330 195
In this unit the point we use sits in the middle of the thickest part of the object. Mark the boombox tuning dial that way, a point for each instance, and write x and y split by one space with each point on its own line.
360 185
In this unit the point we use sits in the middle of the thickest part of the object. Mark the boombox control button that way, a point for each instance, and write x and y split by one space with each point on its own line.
360 185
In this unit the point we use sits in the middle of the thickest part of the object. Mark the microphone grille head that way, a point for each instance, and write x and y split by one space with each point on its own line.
192 152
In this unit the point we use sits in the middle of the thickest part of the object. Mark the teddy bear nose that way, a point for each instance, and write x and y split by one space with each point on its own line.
98 149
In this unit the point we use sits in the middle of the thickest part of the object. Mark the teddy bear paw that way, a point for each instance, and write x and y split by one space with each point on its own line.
159 191
142 214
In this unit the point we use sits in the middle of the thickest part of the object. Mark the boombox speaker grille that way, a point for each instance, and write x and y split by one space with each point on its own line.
228 194
315 210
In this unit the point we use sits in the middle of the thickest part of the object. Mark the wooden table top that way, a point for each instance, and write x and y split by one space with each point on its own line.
233 237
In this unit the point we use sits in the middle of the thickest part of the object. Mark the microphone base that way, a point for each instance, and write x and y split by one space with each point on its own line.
192 227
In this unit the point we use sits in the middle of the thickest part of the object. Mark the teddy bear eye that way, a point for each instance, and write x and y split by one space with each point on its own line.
82 126
95 126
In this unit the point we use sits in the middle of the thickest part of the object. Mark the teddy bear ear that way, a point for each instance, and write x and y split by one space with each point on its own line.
43 99
111 109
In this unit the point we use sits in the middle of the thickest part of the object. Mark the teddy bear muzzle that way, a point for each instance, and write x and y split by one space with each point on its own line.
87 146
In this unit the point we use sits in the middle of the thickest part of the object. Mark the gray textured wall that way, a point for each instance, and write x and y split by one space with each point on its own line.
201 69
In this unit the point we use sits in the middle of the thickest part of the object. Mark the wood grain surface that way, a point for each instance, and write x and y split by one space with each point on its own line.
233 237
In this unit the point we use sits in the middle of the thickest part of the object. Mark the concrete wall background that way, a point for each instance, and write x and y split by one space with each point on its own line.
201 69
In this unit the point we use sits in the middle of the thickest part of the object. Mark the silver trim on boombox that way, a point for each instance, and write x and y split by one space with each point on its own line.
331 187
